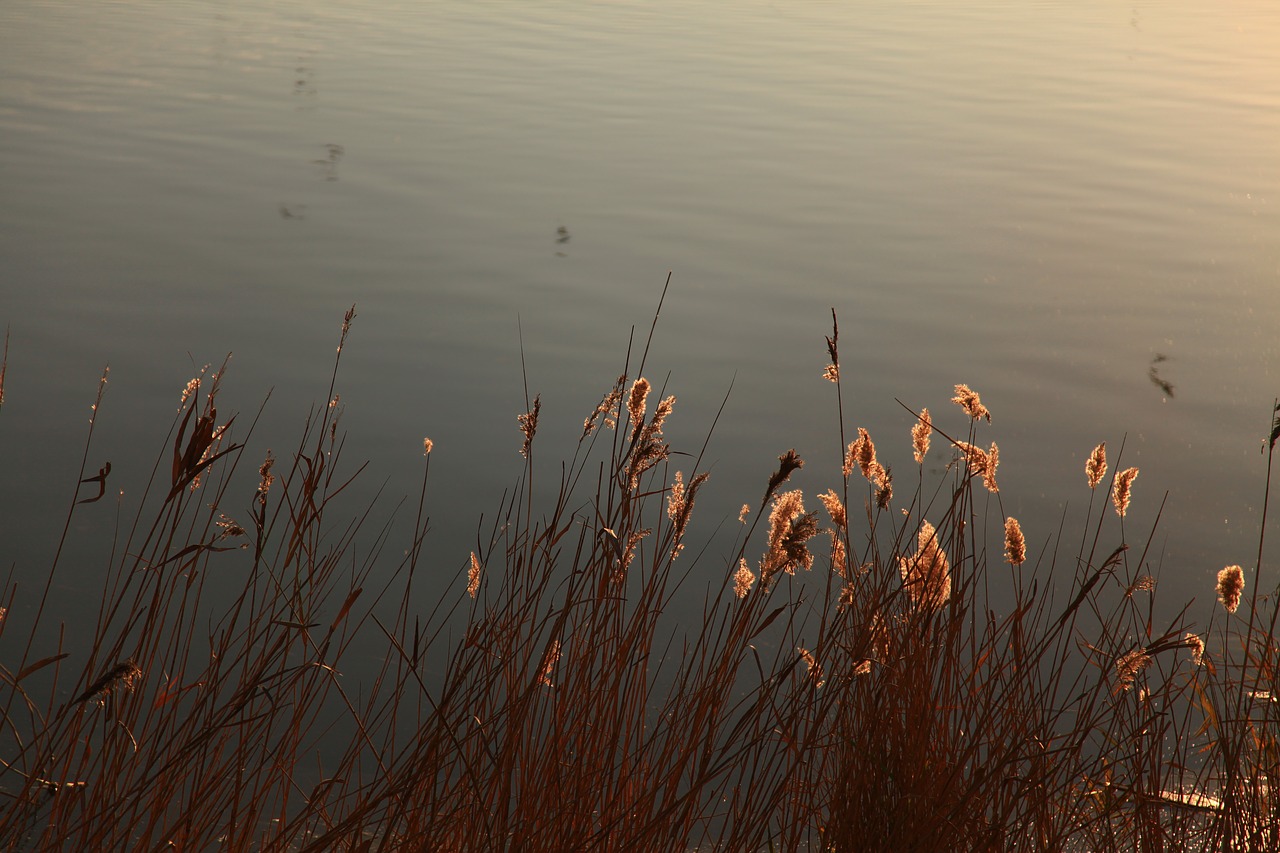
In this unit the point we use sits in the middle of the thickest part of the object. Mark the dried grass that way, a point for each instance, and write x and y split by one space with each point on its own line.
904 700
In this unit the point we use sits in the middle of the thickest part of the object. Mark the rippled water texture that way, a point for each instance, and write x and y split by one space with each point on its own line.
1070 206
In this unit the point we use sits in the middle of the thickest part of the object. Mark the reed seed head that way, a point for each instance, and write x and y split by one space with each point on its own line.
427 446
549 661
1144 583
926 574
230 527
1124 483
660 414
862 452
790 528
636 402
920 435
605 407
346 326
815 668
680 507
473 575
1230 586
968 399
743 513
1128 667
1196 645
839 555
124 676
883 479
787 463
192 389
529 425
1015 544
629 553
1095 468
835 509
265 478
982 463
832 373
675 498
743 579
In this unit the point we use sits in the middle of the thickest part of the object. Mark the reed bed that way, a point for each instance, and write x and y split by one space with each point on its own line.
892 664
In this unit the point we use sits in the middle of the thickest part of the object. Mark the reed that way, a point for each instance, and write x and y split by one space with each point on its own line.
901 687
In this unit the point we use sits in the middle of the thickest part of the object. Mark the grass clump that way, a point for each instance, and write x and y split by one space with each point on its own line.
889 672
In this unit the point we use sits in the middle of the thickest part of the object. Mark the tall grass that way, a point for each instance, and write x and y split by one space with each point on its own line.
902 669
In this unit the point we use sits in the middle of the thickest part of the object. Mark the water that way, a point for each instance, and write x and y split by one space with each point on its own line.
1045 201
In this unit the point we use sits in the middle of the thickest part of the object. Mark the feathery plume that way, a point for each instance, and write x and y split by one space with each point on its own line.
473 575
648 449
1230 586
125 675
629 553
230 527
787 463
636 401
605 407
427 446
835 509
920 435
989 473
926 574
743 578
1128 666
884 486
1193 642
346 326
1096 466
968 399
1015 544
680 507
815 668
665 405
790 528
675 498
265 478
982 463
1144 583
1124 482
839 555
831 373
861 452
529 425
743 513
193 387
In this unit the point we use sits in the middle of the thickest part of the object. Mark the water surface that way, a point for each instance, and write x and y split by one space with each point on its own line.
1046 201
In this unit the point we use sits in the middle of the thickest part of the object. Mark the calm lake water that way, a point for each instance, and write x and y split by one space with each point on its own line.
1062 204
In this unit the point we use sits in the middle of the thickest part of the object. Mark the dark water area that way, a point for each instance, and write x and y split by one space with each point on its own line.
1071 207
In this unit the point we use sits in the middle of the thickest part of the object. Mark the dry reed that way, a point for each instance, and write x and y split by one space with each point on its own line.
902 701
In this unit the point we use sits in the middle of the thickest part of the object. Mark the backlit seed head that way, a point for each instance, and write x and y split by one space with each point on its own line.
968 399
1015 544
1124 483
1230 586
920 436
1096 466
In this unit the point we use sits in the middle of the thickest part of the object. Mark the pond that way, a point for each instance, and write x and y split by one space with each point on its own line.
1073 208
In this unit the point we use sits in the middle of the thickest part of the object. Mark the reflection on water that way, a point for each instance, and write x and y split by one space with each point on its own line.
1029 199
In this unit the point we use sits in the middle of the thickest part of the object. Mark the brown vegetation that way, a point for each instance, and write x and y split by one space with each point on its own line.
908 689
